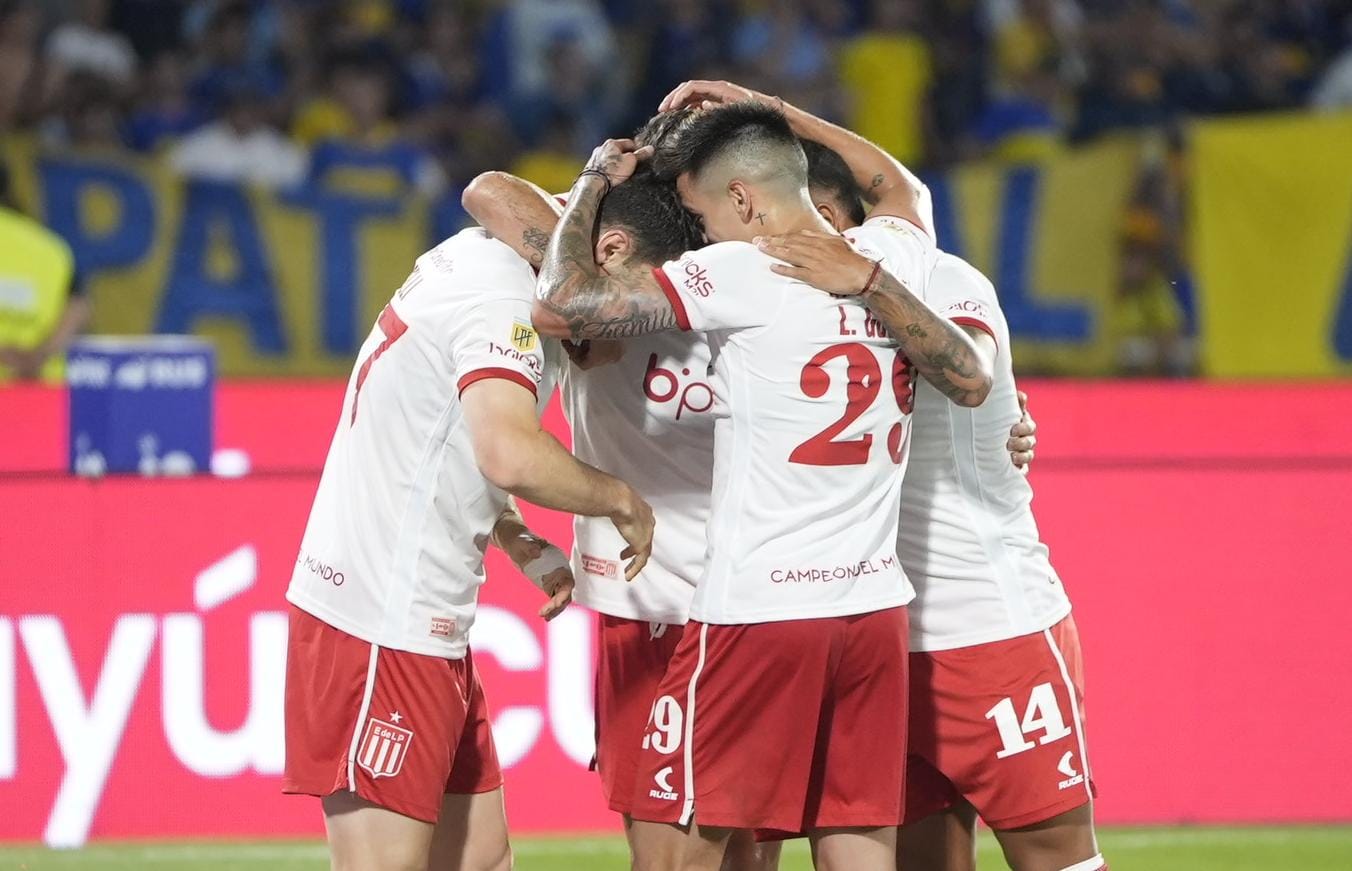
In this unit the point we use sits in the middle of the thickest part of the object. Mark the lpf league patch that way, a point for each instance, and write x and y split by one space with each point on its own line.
523 337
383 748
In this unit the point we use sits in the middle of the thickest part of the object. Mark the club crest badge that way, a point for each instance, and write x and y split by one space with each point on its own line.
383 748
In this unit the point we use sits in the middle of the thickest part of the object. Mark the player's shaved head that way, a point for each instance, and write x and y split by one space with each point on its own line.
747 140
830 180
650 212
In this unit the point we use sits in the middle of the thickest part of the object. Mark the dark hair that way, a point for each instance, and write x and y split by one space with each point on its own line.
747 129
651 211
659 127
828 172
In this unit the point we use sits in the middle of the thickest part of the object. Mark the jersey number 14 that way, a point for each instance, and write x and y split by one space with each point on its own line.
1043 714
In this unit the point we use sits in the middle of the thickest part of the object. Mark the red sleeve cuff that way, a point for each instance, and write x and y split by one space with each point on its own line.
496 372
673 297
980 325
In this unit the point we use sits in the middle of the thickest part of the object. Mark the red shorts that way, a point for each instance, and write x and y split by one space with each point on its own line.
632 657
1002 726
787 726
399 729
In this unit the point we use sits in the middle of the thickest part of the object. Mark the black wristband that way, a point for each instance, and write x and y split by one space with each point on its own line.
597 172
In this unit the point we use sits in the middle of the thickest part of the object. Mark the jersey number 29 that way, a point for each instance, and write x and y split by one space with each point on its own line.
863 378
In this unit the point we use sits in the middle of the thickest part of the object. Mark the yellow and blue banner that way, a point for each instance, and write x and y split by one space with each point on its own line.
1272 245
1047 235
288 283
282 283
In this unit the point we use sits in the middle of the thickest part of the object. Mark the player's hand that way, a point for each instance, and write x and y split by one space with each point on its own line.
520 544
827 261
1022 437
618 158
558 585
591 353
707 93
634 521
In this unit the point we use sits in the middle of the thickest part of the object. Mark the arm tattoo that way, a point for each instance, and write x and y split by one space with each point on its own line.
877 181
938 348
619 304
538 240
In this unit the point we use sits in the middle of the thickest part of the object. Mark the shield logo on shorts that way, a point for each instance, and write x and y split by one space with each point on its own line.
383 748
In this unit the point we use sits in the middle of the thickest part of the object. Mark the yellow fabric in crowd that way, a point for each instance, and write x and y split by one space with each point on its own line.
36 269
548 169
887 76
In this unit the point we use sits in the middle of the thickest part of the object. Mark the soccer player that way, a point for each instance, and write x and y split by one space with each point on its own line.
641 410
647 418
797 618
997 692
386 719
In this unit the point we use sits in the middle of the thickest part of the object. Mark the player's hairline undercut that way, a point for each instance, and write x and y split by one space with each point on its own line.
746 139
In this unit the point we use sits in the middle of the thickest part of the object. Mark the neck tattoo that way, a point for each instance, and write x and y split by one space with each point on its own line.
760 216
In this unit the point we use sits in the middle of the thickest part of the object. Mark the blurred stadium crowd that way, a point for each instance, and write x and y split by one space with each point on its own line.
285 92
446 89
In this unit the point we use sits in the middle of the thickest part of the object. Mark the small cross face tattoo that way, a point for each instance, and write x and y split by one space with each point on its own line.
760 216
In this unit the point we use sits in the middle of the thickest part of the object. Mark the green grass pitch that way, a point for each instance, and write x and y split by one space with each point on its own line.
1324 848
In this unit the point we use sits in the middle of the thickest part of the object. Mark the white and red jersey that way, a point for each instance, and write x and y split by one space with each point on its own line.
812 401
648 420
967 536
393 551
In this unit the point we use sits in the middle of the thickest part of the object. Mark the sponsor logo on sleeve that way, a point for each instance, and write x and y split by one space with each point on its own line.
383 747
697 278
529 359
523 337
970 307
594 565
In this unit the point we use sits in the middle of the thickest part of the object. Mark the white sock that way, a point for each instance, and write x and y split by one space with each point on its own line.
1094 864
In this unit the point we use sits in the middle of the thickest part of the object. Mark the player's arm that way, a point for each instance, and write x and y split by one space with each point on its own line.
523 215
577 298
959 361
544 564
885 182
514 211
516 454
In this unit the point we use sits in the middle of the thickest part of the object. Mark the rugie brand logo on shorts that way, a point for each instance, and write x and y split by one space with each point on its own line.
383 748
1066 767
523 337
665 790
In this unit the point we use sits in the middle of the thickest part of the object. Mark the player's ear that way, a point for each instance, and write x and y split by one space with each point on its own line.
828 211
612 243
741 200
